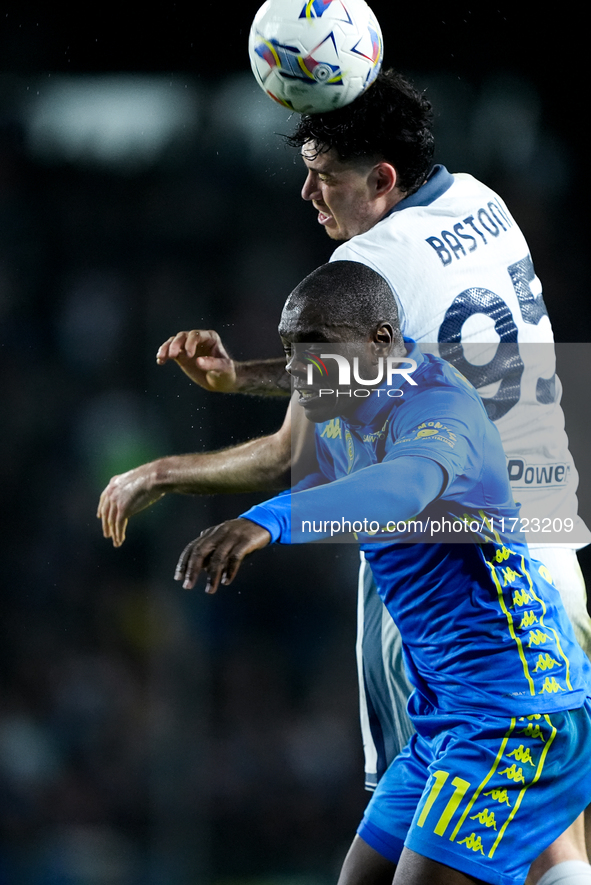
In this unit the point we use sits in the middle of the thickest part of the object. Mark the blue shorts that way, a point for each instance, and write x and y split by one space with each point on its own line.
484 796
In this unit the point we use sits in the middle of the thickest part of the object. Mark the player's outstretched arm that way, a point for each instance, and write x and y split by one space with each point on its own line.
259 465
202 356
389 491
219 552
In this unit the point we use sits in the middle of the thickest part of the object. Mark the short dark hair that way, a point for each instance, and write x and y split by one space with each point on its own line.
351 294
391 120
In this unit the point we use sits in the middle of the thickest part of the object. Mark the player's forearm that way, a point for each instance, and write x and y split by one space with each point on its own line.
262 378
394 490
260 465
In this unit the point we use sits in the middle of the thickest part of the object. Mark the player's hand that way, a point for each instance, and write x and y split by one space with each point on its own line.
202 356
219 552
126 495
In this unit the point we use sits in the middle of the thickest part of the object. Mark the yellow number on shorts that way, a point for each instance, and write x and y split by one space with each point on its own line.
461 786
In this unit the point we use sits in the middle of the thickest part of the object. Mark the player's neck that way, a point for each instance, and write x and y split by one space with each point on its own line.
394 197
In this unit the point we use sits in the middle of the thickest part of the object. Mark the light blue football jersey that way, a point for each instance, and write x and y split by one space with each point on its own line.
483 629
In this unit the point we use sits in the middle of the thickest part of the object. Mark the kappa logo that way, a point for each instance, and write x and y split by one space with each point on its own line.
333 429
545 662
473 842
486 818
498 795
514 773
533 731
551 686
522 754
520 597
537 637
529 618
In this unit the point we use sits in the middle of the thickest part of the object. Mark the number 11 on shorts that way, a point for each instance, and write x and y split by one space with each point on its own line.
439 778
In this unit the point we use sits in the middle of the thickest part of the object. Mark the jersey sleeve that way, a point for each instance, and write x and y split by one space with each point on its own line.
395 490
275 514
444 426
436 442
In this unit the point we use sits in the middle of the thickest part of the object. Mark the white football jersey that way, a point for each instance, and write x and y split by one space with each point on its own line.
462 275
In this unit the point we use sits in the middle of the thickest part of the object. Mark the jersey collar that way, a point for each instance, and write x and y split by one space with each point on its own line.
438 182
371 410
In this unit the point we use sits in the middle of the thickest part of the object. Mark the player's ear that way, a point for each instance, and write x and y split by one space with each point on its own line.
383 178
384 335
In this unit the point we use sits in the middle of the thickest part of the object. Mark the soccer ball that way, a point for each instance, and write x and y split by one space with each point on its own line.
314 56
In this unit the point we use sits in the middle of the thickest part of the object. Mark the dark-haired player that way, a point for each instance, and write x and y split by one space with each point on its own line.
461 273
500 763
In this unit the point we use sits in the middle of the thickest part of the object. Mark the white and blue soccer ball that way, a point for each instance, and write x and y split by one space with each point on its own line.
314 56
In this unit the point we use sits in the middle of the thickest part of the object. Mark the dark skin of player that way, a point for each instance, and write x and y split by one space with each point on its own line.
364 866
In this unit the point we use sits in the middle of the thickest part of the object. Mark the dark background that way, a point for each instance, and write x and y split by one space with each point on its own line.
148 735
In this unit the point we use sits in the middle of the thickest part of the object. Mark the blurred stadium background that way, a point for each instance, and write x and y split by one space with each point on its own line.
148 735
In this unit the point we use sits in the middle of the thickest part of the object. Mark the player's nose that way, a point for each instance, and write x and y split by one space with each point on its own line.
294 366
310 189
297 364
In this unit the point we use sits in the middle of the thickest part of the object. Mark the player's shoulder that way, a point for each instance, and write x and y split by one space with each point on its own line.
439 372
441 416
442 385
466 181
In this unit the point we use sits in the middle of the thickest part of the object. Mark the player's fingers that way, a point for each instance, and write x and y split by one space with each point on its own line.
104 498
105 518
102 516
118 523
103 508
233 563
219 551
177 345
225 561
218 563
110 520
197 339
162 352
181 565
213 363
247 541
211 343
120 531
207 553
190 563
